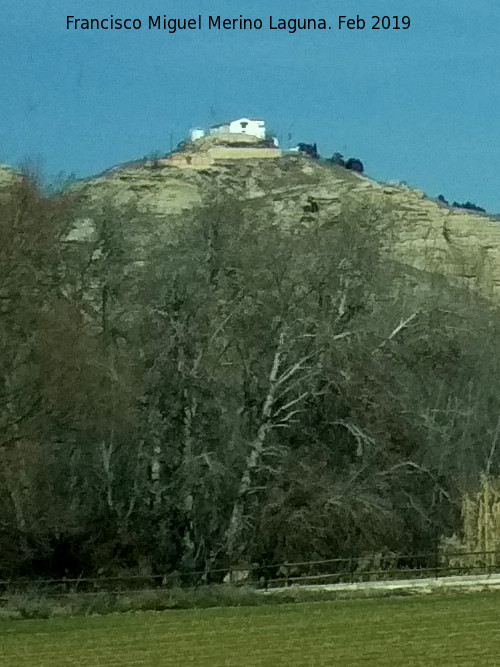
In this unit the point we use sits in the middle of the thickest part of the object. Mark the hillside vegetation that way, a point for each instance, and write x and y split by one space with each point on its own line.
255 362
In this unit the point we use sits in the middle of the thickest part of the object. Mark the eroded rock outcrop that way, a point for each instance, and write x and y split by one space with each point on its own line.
419 233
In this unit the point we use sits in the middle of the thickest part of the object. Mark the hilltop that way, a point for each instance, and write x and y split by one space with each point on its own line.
420 233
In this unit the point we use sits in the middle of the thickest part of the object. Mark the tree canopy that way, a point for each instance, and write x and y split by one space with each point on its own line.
243 392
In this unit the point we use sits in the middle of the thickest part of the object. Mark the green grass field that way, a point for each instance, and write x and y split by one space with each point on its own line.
430 630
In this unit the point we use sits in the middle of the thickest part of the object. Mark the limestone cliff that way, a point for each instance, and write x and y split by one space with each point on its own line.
419 233
7 175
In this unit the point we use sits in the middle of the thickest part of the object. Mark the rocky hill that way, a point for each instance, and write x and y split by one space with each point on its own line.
419 233
240 355
6 175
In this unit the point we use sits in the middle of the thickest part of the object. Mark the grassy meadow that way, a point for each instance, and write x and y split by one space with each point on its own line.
428 630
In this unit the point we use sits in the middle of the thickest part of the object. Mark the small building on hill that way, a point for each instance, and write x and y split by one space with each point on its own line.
253 126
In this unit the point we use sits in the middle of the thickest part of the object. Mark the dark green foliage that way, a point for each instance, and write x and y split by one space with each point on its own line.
337 158
469 206
309 149
355 164
352 163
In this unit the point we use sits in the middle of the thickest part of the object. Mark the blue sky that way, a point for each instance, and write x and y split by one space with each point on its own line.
420 105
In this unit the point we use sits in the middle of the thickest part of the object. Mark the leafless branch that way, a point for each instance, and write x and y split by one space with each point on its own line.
290 403
402 325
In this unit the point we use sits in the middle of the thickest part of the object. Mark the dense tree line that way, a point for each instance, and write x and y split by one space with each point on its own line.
352 163
468 205
235 390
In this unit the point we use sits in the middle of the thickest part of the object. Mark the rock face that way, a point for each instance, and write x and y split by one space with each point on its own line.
7 175
418 233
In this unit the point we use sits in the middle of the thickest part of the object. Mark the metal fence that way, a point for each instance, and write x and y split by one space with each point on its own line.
373 567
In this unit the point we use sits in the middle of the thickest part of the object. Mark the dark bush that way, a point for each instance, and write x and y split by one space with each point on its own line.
337 158
354 164
470 206
309 149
